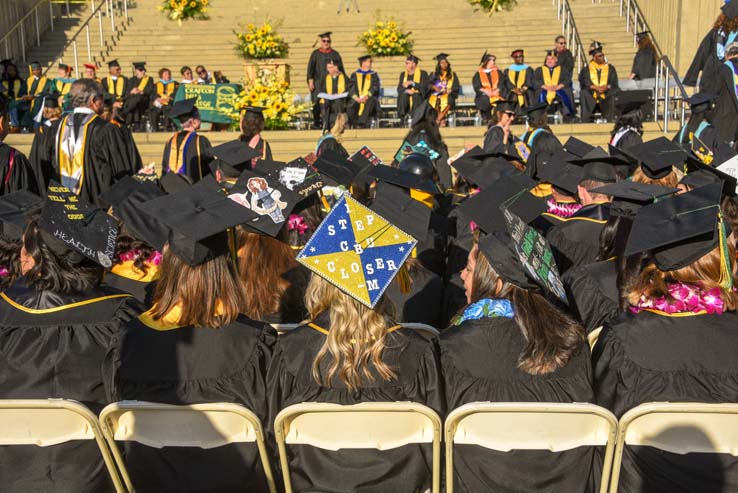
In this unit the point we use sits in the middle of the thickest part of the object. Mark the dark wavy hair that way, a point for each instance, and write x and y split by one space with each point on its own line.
632 119
613 239
67 272
251 127
127 243
430 127
10 260
726 23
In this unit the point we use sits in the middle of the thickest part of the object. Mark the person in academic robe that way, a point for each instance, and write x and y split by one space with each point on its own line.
726 105
539 138
510 344
412 89
599 83
444 88
16 172
699 132
499 137
193 345
347 353
43 147
14 89
564 54
628 129
38 88
677 339
162 99
57 324
187 77
563 178
424 128
63 84
115 83
203 76
111 114
334 84
644 62
139 89
364 88
186 151
657 162
552 84
518 80
252 125
91 72
487 84
711 52
89 154
331 141
317 70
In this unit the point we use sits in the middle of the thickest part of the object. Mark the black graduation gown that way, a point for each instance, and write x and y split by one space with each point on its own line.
459 246
629 139
592 292
644 64
191 160
576 241
479 361
512 79
565 79
566 60
726 106
135 105
403 469
542 145
453 91
21 176
707 62
328 142
481 100
42 155
424 302
331 108
650 357
110 87
406 102
134 157
262 146
494 141
53 347
709 135
190 365
126 278
440 163
586 99
317 70
371 107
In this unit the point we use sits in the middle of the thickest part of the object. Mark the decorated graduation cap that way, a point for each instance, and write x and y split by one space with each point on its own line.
535 111
397 206
232 157
252 113
404 179
596 47
441 56
597 165
70 224
198 218
629 196
701 102
15 208
689 227
357 250
518 52
113 63
139 65
412 58
557 171
658 156
297 175
730 10
184 109
364 57
121 190
577 147
269 202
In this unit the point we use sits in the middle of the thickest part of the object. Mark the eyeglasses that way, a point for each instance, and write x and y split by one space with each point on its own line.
562 42
325 40
200 72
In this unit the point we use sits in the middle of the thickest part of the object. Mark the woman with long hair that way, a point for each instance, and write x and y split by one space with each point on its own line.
443 88
644 62
332 140
193 345
711 52
539 138
628 129
677 342
499 137
487 85
510 344
252 125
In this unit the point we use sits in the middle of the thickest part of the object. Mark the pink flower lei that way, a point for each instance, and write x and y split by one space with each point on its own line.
131 255
562 210
684 298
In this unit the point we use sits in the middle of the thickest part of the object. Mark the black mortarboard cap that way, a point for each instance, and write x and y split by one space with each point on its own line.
15 208
535 111
51 103
630 101
232 157
6 62
498 249
363 57
198 219
253 113
556 170
139 65
71 223
412 58
335 169
723 152
485 58
598 166
629 196
700 174
132 211
113 63
505 105
268 200
577 147
483 168
123 188
64 66
441 56
701 102
403 179
594 51
326 34
678 230
730 9
398 207
658 156
183 109
642 34
172 182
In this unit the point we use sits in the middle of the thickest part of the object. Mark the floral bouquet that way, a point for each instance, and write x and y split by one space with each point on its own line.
259 42
386 39
492 6
179 10
271 92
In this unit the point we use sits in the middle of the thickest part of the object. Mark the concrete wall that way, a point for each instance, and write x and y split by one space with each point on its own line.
11 11
679 25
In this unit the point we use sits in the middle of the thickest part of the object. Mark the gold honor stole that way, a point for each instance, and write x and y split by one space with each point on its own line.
40 85
116 88
142 84
63 87
416 79
72 168
490 80
449 80
517 82
180 152
329 85
597 80
165 90
364 82
551 79
16 88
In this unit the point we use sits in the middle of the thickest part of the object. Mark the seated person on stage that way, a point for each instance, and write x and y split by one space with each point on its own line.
186 73
518 81
186 151
16 172
552 83
487 86
115 84
138 96
63 84
699 128
599 83
91 72
412 88
162 99
335 85
444 89
38 87
203 76
364 87
14 90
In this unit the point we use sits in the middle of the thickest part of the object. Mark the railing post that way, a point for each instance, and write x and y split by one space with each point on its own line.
38 32
23 41
656 91
89 48
69 12
51 15
125 7
112 17
666 103
76 59
100 24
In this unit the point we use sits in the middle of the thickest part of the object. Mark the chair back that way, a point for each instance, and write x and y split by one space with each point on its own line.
427 331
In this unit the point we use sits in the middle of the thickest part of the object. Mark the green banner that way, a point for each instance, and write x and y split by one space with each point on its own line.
216 102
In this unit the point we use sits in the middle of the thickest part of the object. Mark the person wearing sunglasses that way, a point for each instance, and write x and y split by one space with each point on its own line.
566 59
203 76
317 70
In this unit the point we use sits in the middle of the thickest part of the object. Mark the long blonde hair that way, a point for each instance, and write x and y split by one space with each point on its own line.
356 336
339 126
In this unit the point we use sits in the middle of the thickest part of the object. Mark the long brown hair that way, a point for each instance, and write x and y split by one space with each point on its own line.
552 337
356 337
726 24
647 43
671 180
209 294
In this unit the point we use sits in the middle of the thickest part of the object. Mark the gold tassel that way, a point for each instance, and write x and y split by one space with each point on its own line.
726 273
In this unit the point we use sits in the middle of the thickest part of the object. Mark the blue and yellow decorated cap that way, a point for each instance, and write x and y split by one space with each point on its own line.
357 250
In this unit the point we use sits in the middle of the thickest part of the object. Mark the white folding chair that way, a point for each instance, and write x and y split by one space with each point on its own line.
334 427
46 422
678 428
427 331
505 426
196 425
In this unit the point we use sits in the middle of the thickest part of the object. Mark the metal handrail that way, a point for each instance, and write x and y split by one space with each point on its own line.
20 27
570 32
664 91
634 18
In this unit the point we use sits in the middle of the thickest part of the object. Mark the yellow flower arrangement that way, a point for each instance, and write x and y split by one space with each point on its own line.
185 9
386 38
492 6
271 92
260 42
